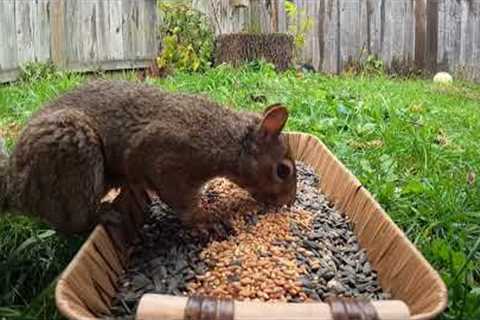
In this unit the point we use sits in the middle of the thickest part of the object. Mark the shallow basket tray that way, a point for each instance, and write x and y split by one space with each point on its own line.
86 287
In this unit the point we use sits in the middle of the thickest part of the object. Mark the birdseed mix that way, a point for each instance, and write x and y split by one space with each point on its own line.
304 253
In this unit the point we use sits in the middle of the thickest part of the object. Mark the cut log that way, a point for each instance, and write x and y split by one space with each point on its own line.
238 48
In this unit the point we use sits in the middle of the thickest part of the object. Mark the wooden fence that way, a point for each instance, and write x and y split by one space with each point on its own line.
77 34
430 34
113 34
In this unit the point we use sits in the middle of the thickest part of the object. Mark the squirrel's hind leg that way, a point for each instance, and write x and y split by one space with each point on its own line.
59 172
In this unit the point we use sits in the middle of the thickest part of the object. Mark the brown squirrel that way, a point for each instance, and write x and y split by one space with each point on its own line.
110 134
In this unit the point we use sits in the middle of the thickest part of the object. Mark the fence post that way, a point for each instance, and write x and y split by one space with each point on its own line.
58 33
420 33
432 11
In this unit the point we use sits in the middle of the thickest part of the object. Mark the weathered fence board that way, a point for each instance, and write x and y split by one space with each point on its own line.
312 41
329 37
111 34
431 34
24 26
458 37
114 33
350 37
8 51
42 36
77 34
224 17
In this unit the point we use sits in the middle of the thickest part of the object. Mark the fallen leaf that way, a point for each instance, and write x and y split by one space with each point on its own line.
471 178
442 138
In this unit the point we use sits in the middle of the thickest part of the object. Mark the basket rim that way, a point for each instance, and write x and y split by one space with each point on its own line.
64 304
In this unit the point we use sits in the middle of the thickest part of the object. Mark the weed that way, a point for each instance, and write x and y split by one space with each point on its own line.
187 38
34 71
299 25
371 65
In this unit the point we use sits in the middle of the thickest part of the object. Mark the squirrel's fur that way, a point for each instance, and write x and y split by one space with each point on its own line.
3 174
108 134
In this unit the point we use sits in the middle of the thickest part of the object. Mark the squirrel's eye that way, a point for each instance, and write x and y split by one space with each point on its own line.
283 170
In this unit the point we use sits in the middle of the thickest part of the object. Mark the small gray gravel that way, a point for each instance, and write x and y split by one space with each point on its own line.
330 251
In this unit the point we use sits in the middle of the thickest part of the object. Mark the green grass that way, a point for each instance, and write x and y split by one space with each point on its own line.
410 142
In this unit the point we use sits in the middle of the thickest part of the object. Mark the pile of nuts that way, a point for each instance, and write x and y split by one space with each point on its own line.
255 264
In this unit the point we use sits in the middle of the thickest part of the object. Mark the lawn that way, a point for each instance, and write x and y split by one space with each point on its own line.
413 144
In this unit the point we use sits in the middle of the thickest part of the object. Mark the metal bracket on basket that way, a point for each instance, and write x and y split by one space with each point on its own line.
346 309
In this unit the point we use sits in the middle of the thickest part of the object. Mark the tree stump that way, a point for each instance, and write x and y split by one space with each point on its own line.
238 48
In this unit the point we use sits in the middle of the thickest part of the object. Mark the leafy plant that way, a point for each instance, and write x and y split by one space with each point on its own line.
299 25
187 38
33 71
371 65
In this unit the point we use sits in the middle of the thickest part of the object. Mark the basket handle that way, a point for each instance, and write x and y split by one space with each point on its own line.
166 307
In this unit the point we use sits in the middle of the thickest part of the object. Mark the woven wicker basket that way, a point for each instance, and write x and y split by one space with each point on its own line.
86 287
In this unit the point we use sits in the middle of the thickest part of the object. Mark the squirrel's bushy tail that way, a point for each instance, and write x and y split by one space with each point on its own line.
4 160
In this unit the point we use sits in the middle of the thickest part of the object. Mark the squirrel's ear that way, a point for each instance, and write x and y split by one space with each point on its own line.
274 119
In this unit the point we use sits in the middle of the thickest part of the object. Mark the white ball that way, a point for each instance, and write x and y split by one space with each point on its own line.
442 77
